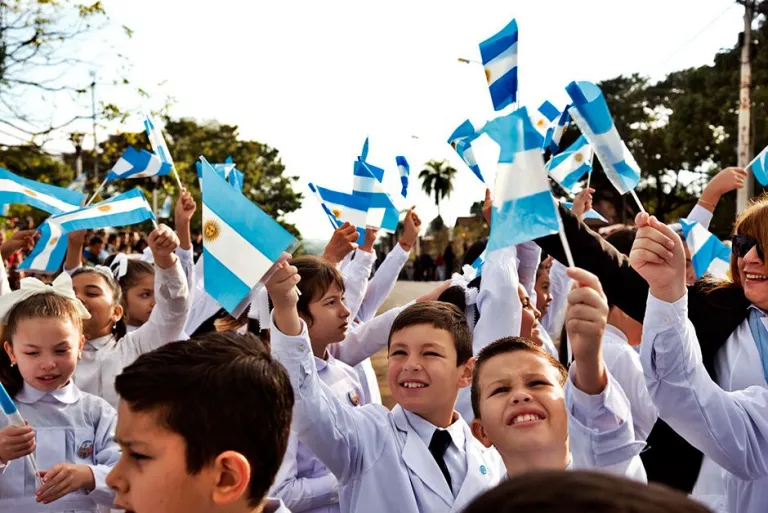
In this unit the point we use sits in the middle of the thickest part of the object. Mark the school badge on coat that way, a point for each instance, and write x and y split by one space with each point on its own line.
85 450
353 398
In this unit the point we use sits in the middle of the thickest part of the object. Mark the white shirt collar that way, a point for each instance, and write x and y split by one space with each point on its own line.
69 394
426 429
321 364
616 333
100 342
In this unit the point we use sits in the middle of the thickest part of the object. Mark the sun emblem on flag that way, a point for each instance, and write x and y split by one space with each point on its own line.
488 76
578 157
53 241
105 208
210 230
540 122
336 213
30 192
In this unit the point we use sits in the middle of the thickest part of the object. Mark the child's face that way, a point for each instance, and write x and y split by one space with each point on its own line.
529 326
543 295
422 374
139 301
46 351
94 292
522 404
330 317
151 476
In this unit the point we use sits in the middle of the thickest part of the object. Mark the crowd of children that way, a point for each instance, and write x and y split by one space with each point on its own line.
522 386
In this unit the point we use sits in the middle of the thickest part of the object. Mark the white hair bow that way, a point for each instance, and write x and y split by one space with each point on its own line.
62 286
119 265
470 296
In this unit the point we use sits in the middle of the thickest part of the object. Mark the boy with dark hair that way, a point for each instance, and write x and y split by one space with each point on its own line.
421 457
203 426
538 416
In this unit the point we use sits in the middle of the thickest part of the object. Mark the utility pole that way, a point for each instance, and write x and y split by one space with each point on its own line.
744 151
95 140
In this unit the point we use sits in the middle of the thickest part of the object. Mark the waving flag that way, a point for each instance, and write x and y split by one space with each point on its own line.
461 141
499 55
52 199
505 131
364 152
228 170
156 139
523 207
759 167
589 214
568 167
343 208
544 117
138 164
122 210
382 213
708 254
554 134
165 210
405 172
240 242
591 114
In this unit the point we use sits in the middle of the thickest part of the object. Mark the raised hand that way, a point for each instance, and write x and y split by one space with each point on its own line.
343 241
163 242
727 180
19 240
185 208
412 225
582 203
370 239
658 256
585 321
487 206
281 288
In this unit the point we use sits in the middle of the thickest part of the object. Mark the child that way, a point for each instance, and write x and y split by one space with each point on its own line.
581 492
72 431
137 289
108 348
203 425
421 457
524 408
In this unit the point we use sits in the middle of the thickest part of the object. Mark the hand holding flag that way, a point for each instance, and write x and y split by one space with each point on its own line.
18 439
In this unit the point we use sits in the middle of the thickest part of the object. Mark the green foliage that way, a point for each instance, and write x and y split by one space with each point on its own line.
437 178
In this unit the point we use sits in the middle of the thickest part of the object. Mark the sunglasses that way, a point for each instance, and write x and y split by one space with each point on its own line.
741 244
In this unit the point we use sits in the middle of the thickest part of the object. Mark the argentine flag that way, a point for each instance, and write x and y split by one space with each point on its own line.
523 207
568 167
240 242
759 167
343 208
589 214
165 210
591 114
708 254
554 134
228 170
405 172
461 141
505 131
544 117
52 199
138 164
382 213
157 141
499 55
49 251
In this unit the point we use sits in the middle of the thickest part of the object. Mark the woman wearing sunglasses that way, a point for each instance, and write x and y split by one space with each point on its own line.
719 312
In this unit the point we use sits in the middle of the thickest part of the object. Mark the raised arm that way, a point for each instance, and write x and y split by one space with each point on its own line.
357 272
74 259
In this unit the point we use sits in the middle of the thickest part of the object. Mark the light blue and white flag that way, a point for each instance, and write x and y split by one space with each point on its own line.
759 167
382 212
523 206
240 242
461 141
589 214
49 251
405 172
499 55
555 134
344 208
165 210
54 200
708 254
591 114
138 164
228 170
364 152
78 184
568 167
505 131
157 141
544 117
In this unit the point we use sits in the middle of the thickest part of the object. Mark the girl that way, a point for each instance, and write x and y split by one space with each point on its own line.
137 287
72 432
108 346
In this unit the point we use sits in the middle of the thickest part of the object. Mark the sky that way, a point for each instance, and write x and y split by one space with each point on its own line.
313 79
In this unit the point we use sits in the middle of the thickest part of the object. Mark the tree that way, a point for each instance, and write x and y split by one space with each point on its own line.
41 67
266 182
437 178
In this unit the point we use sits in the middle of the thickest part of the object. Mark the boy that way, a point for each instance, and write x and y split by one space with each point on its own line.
203 426
524 408
421 457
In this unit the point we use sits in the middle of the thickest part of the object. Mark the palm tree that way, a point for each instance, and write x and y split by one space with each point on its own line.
437 177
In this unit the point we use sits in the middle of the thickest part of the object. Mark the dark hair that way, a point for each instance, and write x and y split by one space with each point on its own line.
474 251
117 293
219 392
111 238
40 305
95 240
622 240
504 346
444 316
317 276
582 491
135 271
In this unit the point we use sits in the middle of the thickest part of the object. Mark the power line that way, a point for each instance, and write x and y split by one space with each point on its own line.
696 36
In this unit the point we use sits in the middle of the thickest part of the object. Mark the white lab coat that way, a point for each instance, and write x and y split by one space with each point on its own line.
70 427
729 427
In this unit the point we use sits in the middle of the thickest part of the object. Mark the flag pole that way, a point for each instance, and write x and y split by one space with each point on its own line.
563 238
96 193
591 162
176 175
637 200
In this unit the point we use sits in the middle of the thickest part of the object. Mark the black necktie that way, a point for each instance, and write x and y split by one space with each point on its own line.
437 446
